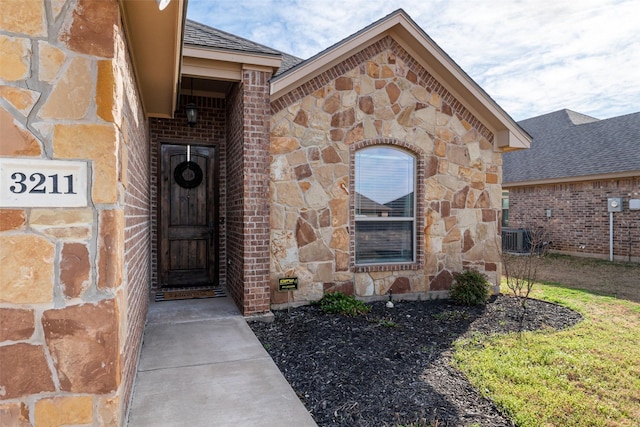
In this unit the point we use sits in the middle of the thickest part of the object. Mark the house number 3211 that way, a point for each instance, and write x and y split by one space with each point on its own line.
40 183
43 183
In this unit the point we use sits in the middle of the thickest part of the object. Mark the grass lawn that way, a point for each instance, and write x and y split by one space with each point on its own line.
588 375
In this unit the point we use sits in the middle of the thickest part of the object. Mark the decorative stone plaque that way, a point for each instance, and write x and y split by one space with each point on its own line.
28 183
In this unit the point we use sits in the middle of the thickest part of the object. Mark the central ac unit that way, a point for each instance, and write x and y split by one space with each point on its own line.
516 240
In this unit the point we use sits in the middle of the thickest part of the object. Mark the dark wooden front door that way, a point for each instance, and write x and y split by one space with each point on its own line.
188 216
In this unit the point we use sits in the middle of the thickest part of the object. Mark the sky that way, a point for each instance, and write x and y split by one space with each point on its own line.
531 56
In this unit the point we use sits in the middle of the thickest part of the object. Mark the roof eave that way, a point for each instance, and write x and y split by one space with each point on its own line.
567 179
232 61
509 135
156 55
512 139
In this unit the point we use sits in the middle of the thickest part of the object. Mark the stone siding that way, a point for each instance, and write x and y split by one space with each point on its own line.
74 281
579 222
379 96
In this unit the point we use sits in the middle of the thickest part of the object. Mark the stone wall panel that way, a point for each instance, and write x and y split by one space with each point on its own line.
83 342
15 61
110 248
71 96
14 415
23 17
12 219
16 324
61 411
75 269
43 217
50 60
71 142
104 91
27 269
63 223
383 96
16 139
79 78
91 31
22 100
28 373
107 412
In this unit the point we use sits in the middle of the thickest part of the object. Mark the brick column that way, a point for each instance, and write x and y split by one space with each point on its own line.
256 191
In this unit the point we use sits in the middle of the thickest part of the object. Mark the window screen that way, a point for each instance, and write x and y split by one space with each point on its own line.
384 206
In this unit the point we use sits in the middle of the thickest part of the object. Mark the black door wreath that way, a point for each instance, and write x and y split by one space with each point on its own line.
188 174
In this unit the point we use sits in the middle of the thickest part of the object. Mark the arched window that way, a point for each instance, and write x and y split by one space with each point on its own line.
385 212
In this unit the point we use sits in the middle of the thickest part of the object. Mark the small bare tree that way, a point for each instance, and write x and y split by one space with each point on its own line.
521 269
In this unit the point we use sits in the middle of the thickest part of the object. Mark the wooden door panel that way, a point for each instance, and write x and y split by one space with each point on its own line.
188 205
188 254
188 278
188 218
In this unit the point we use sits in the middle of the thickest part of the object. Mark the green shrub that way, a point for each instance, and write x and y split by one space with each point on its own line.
470 288
339 303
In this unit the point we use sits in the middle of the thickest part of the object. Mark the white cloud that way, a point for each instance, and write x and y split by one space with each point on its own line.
532 57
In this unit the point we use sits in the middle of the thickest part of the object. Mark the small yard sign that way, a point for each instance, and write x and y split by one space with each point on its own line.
288 284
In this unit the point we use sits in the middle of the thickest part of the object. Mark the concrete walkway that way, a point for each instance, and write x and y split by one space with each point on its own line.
201 365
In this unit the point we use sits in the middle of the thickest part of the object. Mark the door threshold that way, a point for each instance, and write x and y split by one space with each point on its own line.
171 294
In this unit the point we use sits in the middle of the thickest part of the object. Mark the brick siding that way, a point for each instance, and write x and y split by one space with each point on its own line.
256 191
234 206
248 200
209 131
137 246
579 222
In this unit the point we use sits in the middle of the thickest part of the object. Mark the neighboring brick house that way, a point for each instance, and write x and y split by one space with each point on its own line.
134 201
563 183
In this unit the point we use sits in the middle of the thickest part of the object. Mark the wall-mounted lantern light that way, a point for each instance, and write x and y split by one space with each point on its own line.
191 110
192 114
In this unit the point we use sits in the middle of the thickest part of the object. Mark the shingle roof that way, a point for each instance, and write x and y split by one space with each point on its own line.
365 204
198 34
567 144
288 62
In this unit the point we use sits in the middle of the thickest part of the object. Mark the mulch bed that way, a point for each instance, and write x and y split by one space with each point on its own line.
392 366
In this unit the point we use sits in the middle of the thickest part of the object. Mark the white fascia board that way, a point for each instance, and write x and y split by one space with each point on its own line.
509 140
270 61
212 69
